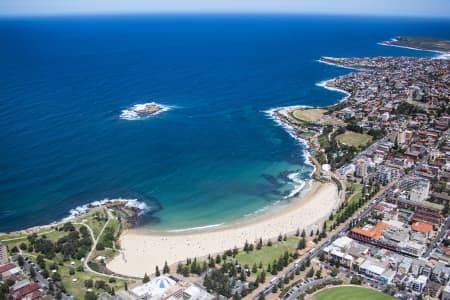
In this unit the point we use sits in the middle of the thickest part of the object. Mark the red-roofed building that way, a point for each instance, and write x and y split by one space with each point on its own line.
26 290
5 269
423 227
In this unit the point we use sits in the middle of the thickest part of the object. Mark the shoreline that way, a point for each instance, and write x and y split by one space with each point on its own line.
324 85
439 54
154 247
305 209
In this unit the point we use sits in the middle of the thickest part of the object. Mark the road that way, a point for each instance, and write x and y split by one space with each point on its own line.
438 238
43 282
349 224
344 229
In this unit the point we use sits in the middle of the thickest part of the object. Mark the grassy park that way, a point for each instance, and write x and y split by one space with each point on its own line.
64 263
351 293
354 139
267 254
309 115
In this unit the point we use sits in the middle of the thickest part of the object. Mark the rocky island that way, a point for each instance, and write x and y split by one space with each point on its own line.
143 111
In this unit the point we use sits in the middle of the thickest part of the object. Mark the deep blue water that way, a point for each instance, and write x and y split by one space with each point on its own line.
211 159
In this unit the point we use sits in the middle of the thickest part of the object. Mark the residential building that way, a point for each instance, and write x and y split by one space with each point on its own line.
419 284
4 258
445 295
420 191
361 169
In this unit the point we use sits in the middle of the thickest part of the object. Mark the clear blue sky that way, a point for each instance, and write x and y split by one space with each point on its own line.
425 8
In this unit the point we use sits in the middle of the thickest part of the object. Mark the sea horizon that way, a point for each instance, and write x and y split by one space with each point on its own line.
214 157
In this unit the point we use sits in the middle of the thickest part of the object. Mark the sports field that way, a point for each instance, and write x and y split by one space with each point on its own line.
351 293
309 115
355 139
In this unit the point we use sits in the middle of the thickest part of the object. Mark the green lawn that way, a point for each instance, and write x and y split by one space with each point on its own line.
355 139
77 289
50 234
354 198
309 115
114 228
351 293
267 254
95 219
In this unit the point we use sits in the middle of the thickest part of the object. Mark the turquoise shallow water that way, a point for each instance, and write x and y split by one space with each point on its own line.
212 158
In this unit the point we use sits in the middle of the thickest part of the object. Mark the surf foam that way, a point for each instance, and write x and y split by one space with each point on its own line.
137 111
139 206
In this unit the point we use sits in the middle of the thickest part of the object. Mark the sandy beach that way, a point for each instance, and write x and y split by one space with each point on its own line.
143 249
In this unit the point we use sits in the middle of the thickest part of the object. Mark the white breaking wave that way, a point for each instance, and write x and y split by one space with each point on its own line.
439 54
291 131
197 228
339 66
324 85
137 111
141 207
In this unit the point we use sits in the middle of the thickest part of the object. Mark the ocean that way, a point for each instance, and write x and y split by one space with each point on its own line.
214 156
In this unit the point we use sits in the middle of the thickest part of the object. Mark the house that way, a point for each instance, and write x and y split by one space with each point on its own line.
423 227
418 284
445 295
373 268
7 270
420 191
440 273
4 258
28 290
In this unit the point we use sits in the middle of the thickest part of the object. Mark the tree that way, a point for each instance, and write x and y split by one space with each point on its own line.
301 244
157 273
259 244
90 296
146 278
20 260
88 283
310 273
312 233
334 272
280 237
99 246
297 233
254 268
355 280
307 262
322 256
166 268
269 243
319 273
23 246
302 267
100 284
246 248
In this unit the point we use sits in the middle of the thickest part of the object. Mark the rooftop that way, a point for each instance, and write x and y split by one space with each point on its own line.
424 227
